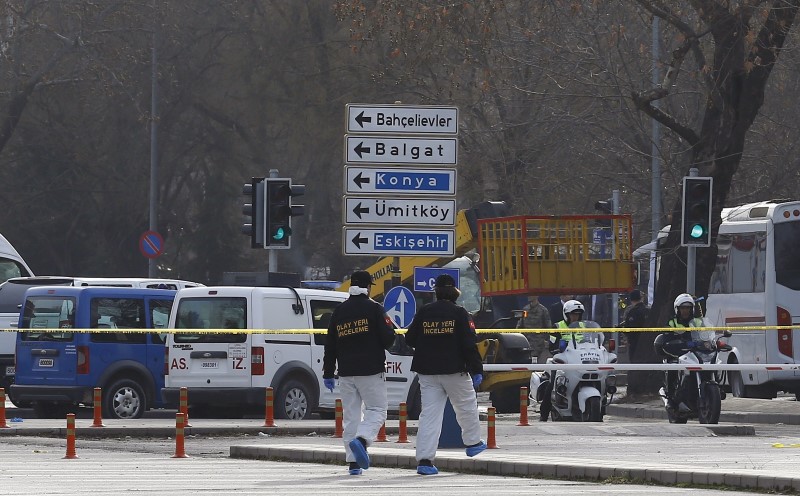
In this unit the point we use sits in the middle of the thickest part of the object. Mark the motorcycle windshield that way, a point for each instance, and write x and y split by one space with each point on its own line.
588 334
703 336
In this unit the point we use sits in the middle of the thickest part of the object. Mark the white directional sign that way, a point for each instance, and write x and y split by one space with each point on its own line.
399 211
402 119
389 150
394 180
398 242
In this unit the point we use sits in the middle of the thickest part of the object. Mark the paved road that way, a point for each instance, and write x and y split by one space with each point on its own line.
622 449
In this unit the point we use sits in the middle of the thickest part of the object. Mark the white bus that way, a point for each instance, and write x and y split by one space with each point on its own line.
756 282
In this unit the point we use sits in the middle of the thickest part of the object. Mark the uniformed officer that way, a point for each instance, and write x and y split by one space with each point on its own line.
358 334
573 312
448 365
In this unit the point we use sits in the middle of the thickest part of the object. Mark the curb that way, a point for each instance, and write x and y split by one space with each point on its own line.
516 466
649 412
167 432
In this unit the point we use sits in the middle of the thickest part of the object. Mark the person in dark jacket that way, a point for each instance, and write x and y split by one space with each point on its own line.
448 364
358 335
635 316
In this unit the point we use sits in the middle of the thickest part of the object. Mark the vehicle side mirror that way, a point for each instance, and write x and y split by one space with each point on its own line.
612 345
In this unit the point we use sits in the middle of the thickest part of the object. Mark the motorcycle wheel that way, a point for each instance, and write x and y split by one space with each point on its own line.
594 410
709 404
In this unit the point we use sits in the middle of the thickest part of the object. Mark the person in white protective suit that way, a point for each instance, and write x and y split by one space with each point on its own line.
449 366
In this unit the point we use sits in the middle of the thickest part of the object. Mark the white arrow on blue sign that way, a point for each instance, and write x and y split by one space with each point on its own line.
399 150
400 305
393 180
425 277
398 242
399 211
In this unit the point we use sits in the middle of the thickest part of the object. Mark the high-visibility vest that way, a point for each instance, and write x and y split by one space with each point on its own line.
695 322
568 335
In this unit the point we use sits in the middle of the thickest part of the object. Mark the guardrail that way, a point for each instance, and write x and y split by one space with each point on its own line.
605 367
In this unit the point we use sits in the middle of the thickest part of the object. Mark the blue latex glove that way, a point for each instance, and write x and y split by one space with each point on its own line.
691 344
476 380
562 345
329 384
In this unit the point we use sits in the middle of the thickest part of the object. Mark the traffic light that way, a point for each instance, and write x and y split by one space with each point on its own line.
696 226
278 211
254 209
607 207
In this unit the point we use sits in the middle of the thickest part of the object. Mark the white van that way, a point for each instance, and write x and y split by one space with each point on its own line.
230 371
11 263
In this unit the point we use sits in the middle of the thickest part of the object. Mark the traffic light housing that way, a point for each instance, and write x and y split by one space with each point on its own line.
253 211
696 218
607 208
278 211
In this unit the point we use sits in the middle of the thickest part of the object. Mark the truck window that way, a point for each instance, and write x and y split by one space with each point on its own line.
11 268
159 316
321 311
48 313
117 313
211 313
787 263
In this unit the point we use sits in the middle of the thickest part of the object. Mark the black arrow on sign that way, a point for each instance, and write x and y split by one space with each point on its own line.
357 240
360 148
361 119
360 210
359 180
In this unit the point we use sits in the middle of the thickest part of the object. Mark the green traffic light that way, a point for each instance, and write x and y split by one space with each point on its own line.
697 231
279 234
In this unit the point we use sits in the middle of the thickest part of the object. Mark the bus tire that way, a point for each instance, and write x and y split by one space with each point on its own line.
736 382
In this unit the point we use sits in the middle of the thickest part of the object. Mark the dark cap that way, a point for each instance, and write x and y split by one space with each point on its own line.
361 278
635 295
444 280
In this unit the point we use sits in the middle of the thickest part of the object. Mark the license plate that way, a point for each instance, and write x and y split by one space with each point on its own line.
45 362
209 365
10 370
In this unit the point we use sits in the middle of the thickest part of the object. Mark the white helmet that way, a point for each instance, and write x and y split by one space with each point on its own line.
683 299
572 306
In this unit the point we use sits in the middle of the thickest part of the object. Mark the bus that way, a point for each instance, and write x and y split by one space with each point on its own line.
756 282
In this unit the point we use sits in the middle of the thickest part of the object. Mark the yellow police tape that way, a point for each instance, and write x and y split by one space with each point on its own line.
399 331
781 445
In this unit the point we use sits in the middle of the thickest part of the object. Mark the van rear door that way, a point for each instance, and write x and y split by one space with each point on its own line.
46 357
209 359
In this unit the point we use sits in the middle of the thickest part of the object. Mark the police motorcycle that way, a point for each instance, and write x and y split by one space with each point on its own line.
579 395
697 394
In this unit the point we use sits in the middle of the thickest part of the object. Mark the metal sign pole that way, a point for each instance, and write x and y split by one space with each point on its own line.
691 253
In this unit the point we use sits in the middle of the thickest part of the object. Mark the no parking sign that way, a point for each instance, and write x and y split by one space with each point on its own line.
151 244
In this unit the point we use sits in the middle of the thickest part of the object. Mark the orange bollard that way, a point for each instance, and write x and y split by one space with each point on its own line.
339 429
269 414
180 423
402 435
523 406
491 442
70 437
184 406
3 424
382 434
98 408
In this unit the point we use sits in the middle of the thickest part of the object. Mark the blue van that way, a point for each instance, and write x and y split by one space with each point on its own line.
57 371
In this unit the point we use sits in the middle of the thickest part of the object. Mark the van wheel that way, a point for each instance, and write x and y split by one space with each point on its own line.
293 401
125 399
